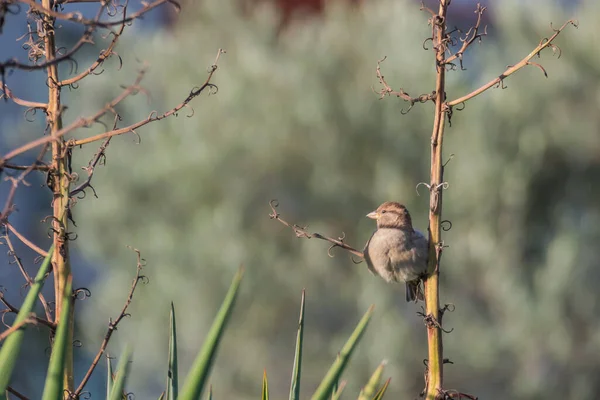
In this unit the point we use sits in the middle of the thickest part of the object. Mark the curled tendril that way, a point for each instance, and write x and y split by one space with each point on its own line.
82 293
424 184
448 161
71 236
446 225
77 343
85 395
450 307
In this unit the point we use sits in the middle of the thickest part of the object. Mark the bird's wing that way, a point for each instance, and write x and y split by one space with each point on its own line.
421 245
368 258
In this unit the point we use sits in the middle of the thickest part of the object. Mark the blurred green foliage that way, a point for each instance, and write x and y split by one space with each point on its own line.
296 119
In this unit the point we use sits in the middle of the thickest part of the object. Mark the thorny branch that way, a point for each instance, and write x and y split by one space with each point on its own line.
301 232
112 325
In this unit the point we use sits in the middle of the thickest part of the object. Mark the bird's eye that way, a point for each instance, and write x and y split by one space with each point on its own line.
383 211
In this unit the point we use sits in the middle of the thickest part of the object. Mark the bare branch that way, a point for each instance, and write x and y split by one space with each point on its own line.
8 206
470 37
16 327
386 90
512 69
104 54
301 232
15 310
153 116
26 241
112 325
15 393
86 122
7 93
99 156
77 17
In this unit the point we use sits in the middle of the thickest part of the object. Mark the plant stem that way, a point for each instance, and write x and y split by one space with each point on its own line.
434 332
60 181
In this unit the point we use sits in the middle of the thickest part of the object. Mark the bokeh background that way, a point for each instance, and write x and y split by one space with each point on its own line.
295 119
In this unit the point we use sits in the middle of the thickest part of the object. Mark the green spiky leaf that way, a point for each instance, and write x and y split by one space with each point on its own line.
371 387
53 389
195 381
381 392
337 394
172 374
296 372
335 371
122 372
265 387
12 344
109 376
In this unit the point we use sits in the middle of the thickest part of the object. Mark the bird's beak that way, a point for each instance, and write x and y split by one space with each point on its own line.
373 215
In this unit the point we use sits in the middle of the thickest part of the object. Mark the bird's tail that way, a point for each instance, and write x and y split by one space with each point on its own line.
414 291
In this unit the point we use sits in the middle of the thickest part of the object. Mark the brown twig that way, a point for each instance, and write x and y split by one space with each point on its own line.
544 43
98 157
386 90
470 37
37 167
8 204
17 394
17 326
153 115
77 17
86 122
301 232
12 309
28 279
103 56
112 325
26 241
25 103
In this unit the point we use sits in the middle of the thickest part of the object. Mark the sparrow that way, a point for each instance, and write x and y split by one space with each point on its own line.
396 251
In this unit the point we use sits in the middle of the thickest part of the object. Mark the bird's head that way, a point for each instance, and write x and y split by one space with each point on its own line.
391 215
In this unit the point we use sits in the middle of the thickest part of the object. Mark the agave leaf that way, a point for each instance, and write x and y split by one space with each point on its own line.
338 391
265 387
335 371
296 372
334 389
371 387
209 396
53 389
172 374
162 396
109 376
194 384
381 392
122 370
12 344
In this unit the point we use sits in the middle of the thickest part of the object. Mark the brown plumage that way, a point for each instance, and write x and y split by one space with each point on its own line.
396 251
